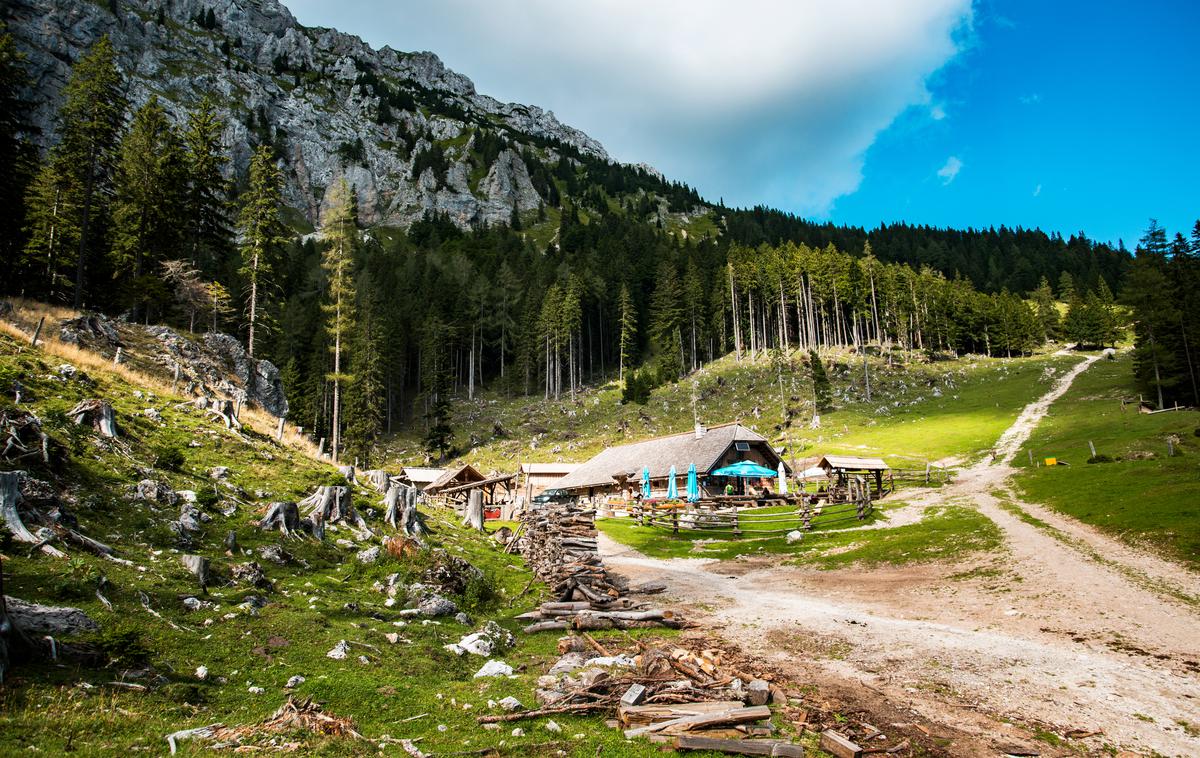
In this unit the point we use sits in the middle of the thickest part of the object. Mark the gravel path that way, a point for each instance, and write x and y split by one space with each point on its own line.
1065 628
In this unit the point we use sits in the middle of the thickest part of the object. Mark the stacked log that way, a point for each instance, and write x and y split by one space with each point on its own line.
586 615
559 546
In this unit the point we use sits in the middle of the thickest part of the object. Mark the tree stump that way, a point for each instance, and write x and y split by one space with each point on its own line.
473 514
98 413
282 516
10 498
198 566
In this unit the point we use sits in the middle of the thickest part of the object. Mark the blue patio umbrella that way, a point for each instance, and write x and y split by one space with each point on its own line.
672 488
645 482
693 487
745 470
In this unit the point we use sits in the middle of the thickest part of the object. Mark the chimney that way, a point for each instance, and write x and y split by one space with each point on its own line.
700 430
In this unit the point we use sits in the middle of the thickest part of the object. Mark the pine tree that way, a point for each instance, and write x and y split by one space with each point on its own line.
1066 287
51 228
262 233
207 199
364 401
570 320
339 225
439 436
628 327
17 158
1049 323
666 316
147 210
91 120
822 389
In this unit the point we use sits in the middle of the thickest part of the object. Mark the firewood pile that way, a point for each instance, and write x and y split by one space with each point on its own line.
559 546
586 615
664 692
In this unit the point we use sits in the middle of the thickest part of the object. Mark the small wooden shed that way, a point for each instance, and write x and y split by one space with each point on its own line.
841 468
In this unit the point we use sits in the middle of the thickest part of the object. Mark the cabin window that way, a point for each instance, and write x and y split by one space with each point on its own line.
742 447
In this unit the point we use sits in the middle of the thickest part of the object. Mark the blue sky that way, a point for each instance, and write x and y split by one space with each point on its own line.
1065 115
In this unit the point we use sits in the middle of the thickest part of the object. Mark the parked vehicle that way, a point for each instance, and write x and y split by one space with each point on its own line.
553 496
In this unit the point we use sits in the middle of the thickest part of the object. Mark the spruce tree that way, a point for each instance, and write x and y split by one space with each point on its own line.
628 327
339 225
364 401
91 120
666 317
147 210
17 158
1049 323
822 389
207 199
262 233
52 203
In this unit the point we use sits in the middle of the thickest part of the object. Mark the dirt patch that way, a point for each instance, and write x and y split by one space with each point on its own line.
1063 634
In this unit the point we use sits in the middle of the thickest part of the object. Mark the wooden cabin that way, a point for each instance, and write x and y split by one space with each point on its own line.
539 477
842 468
618 470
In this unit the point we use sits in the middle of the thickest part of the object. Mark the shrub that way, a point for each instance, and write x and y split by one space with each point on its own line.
168 457
1101 458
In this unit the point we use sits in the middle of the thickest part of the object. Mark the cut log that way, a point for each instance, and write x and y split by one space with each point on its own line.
703 720
641 715
838 745
740 747
10 498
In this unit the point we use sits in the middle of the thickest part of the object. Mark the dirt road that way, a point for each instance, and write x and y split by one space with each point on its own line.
1063 629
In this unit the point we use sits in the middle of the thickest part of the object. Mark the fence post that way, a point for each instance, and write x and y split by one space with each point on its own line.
737 529
674 521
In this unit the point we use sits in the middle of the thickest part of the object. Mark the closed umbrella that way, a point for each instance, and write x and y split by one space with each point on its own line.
645 482
693 487
783 487
672 489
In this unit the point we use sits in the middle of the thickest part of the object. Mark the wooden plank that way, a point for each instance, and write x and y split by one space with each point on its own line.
740 747
720 718
839 746
639 715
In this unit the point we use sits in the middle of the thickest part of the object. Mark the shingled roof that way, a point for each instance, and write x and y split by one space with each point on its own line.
678 450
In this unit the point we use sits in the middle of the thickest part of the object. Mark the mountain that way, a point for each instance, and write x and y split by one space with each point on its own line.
411 135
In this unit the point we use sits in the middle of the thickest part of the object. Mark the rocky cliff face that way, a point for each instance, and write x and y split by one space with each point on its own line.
330 104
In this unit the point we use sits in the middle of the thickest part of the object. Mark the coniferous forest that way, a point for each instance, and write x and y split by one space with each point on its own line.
131 212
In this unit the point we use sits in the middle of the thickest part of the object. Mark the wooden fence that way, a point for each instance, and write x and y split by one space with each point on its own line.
755 520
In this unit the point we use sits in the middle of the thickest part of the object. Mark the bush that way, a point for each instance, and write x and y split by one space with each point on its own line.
168 457
1197 432
1101 458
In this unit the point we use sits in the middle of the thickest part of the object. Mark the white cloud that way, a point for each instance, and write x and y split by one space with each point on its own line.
1031 99
950 170
937 113
1037 190
759 102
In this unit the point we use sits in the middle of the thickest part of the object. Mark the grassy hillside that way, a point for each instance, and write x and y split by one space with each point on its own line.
1142 495
919 411
144 684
